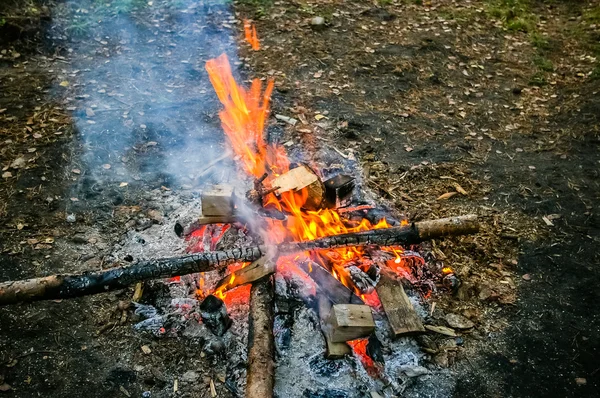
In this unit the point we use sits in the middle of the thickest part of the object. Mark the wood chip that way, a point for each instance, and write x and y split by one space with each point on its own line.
460 189
446 196
124 391
213 390
441 330
547 221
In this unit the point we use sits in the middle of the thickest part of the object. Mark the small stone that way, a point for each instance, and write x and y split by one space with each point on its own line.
17 163
71 218
580 381
156 216
190 377
317 21
458 321
146 350
441 359
414 371
526 277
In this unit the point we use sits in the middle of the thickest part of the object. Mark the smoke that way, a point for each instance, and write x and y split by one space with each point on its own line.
143 106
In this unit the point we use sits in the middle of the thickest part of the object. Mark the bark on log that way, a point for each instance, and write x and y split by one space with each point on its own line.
260 375
92 282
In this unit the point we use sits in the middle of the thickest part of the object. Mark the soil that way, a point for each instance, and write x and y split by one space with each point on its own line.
430 98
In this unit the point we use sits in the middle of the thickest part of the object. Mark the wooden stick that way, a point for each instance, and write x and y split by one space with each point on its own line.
92 282
399 310
260 375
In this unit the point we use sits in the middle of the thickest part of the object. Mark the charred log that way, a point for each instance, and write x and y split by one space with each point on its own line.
119 277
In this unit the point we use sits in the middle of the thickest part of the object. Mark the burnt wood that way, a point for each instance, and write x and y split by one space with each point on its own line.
92 282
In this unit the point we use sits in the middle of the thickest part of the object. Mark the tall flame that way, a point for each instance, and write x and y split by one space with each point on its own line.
243 119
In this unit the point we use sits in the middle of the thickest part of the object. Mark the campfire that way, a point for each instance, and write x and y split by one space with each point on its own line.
293 219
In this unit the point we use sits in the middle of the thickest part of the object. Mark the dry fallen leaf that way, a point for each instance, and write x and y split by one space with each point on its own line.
64 83
446 196
460 189
441 330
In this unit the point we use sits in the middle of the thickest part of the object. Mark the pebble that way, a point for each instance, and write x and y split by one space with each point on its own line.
414 371
71 218
458 321
190 376
317 21
580 381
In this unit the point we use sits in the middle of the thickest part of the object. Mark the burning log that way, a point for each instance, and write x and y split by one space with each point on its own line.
92 282
328 286
252 273
400 312
260 376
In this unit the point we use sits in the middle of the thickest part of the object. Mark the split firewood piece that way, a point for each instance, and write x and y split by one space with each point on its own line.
299 178
338 190
350 322
249 274
399 310
219 200
261 368
328 285
333 350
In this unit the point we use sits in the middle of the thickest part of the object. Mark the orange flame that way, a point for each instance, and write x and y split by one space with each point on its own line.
251 35
243 119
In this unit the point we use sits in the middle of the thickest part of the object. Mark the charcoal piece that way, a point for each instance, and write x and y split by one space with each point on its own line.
451 282
376 215
282 331
325 393
178 229
364 281
375 349
325 367
214 315
338 190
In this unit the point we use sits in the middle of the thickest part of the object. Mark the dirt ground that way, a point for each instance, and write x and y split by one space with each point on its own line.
498 99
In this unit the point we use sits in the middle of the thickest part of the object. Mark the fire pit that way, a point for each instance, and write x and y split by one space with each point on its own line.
292 264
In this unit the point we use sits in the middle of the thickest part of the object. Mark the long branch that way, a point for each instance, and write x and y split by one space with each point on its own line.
92 282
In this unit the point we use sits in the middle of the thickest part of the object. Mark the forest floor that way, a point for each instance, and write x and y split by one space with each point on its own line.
497 101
